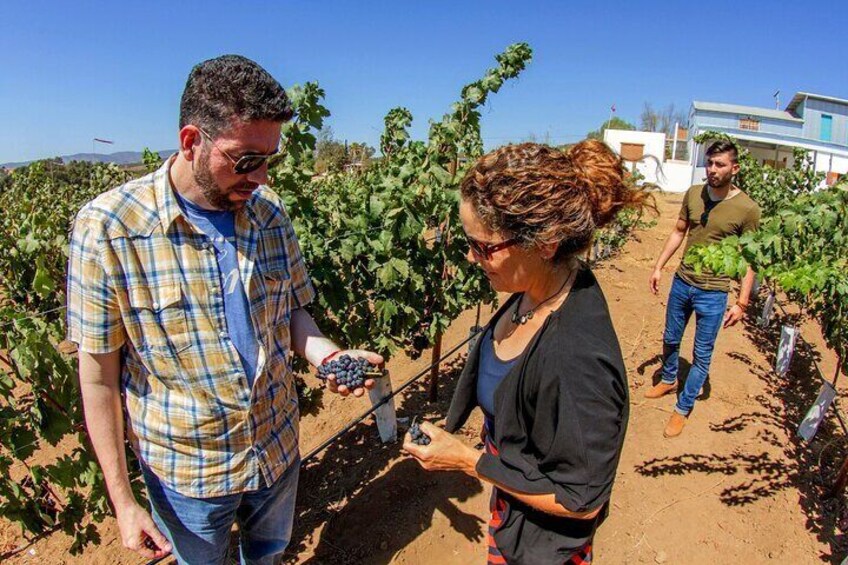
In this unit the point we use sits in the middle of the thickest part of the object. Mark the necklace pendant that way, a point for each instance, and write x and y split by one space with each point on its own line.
523 318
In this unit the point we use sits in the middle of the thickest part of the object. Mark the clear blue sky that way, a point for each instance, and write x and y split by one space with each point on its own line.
71 71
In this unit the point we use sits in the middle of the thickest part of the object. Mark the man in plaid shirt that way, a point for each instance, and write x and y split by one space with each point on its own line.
186 295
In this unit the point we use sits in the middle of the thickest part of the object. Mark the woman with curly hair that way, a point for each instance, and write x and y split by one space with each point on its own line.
547 371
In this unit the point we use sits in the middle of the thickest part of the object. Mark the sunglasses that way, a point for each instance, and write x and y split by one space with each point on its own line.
245 164
486 250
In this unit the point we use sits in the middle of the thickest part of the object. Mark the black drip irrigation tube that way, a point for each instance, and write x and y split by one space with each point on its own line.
329 441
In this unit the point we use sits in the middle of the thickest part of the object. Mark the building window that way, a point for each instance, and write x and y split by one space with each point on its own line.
826 127
749 124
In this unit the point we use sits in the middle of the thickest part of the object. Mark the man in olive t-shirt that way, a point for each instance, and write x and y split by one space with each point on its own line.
710 213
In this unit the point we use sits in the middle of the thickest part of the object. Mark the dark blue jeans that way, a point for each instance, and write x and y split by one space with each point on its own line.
709 307
199 528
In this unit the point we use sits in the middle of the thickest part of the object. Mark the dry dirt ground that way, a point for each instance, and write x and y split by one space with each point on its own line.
738 484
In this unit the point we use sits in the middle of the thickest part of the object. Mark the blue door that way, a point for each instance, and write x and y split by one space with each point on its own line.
826 127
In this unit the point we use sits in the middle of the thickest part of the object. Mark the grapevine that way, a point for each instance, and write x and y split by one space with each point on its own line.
383 246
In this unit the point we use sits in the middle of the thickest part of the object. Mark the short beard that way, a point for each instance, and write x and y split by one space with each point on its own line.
729 182
208 187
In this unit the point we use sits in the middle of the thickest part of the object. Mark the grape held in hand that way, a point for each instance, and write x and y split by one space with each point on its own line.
418 435
351 372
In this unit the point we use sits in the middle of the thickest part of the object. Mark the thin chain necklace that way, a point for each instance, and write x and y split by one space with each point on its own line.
527 316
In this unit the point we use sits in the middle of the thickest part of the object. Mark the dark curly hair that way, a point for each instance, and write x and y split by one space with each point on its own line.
544 195
231 87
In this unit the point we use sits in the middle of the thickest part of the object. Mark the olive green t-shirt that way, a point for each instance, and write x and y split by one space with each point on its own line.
710 221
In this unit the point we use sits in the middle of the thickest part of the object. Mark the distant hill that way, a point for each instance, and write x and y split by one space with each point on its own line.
119 158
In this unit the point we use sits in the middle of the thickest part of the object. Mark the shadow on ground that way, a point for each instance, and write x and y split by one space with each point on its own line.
810 468
361 516
683 368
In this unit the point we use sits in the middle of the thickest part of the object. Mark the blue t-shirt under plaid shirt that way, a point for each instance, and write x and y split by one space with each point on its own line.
220 226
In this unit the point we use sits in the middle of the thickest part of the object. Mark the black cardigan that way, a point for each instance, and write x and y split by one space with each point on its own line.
560 420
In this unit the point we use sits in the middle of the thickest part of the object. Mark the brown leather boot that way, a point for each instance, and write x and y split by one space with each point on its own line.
661 389
675 424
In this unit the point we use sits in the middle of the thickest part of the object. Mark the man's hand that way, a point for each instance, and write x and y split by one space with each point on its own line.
733 315
654 281
369 356
140 534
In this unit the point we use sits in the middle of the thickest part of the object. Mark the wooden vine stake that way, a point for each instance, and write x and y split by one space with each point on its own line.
437 344
434 370
842 475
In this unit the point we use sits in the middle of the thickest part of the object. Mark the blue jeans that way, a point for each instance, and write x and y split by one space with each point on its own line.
199 528
709 307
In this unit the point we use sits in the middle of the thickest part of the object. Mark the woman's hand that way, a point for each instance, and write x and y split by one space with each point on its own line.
369 356
445 452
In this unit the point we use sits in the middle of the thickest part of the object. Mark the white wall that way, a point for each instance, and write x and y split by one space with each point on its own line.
654 147
672 176
676 177
840 164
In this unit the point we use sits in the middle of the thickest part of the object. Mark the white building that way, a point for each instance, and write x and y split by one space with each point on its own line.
817 124
645 151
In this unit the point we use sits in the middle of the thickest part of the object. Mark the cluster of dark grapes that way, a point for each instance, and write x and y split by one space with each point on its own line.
350 371
418 435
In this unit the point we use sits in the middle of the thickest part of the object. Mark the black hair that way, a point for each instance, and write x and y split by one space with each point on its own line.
231 87
722 146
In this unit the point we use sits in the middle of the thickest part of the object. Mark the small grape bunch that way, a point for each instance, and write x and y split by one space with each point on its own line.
351 372
418 435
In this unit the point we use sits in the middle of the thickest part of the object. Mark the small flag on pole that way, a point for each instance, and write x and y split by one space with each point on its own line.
612 108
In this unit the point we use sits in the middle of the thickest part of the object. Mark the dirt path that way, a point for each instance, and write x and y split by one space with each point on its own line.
737 484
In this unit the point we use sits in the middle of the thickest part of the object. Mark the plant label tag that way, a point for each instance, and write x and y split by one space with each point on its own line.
385 414
810 424
785 349
768 310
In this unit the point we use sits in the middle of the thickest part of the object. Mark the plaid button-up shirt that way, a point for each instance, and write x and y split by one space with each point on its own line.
141 278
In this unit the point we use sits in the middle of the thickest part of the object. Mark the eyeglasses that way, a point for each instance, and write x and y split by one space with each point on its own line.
246 163
485 250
